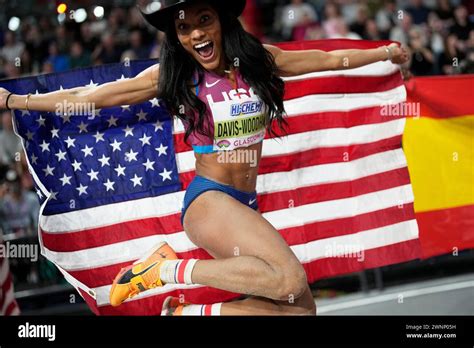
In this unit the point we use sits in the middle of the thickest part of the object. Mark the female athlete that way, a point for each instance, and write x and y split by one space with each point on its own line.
226 87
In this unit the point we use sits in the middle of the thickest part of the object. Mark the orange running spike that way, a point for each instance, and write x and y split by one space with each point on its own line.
143 275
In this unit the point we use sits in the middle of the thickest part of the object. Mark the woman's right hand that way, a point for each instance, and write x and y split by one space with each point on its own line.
3 98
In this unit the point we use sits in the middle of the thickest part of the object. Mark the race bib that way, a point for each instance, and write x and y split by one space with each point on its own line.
239 120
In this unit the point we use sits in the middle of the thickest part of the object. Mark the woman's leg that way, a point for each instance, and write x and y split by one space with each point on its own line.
251 257
304 305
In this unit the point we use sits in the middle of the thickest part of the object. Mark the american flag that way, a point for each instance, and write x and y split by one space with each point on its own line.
112 183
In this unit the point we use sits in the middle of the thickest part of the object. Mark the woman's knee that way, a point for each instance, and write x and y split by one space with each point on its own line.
304 305
290 282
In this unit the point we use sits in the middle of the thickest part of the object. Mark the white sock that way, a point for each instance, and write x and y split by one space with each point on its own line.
203 310
177 271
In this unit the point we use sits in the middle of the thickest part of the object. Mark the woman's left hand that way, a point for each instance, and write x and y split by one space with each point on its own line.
399 54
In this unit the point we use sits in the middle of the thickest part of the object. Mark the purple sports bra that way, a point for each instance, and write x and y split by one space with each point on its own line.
235 115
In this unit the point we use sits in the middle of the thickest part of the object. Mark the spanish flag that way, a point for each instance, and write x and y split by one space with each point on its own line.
439 145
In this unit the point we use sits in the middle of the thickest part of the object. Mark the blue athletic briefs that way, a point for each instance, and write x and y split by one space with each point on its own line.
201 184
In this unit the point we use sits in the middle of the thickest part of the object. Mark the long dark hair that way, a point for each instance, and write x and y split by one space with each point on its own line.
256 65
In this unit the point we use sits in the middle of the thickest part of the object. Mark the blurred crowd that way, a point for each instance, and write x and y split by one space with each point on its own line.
438 33
19 209
19 205
43 45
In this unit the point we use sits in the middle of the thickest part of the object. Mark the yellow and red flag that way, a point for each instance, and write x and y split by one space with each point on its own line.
439 145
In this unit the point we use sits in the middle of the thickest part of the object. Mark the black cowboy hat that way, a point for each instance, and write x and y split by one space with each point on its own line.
159 19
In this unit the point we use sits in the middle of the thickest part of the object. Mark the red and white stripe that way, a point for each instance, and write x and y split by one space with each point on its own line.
8 305
339 178
177 271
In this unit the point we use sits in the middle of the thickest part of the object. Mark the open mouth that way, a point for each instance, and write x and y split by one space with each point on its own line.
205 49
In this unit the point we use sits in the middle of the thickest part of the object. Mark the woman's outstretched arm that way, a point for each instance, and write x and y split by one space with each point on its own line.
292 63
124 92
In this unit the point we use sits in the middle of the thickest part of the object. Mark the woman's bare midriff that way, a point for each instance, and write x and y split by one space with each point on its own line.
237 168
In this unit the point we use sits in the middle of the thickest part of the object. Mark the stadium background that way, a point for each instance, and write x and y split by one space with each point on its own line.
46 36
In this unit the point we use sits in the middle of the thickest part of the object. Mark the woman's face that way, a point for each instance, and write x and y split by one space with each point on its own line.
199 31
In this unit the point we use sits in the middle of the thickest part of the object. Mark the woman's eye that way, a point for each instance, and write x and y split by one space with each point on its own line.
181 26
204 18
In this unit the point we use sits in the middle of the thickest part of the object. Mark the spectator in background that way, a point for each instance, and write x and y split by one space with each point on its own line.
315 32
11 71
46 28
400 32
135 19
156 47
362 17
12 50
462 26
349 9
387 18
37 47
78 57
89 41
467 65
342 32
107 51
19 209
127 56
444 11
26 64
469 4
371 31
332 19
26 178
470 42
117 26
435 27
97 26
304 29
10 145
136 44
62 39
296 13
2 68
59 62
135 22
422 60
449 61
47 67
418 11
